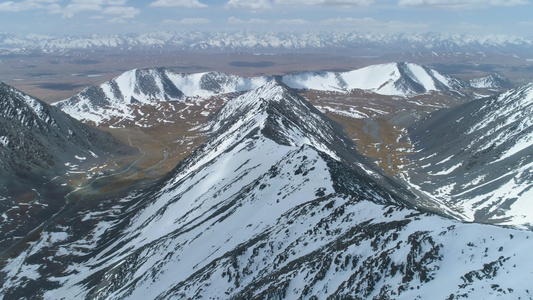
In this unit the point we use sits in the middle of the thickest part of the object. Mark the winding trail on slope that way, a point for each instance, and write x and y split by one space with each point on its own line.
70 203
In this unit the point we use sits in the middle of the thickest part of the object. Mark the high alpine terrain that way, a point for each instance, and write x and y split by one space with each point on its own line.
137 97
377 103
277 204
43 154
477 158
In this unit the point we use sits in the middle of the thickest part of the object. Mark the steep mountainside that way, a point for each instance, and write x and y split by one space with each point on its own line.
277 204
477 158
40 148
35 137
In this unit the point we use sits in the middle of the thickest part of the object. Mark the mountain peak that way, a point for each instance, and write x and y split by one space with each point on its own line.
277 112
273 90
117 99
281 114
27 110
35 134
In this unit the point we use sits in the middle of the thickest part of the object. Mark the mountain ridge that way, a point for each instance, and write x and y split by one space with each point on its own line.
115 101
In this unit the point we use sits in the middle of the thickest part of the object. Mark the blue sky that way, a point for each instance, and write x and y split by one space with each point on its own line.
61 17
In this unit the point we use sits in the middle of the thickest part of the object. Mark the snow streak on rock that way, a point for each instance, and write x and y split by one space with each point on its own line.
478 157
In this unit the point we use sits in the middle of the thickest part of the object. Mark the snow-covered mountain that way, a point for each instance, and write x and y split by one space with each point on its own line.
394 79
267 41
117 101
477 158
493 81
278 204
39 144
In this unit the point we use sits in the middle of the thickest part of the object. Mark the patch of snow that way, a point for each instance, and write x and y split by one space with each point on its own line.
447 171
421 75
4 140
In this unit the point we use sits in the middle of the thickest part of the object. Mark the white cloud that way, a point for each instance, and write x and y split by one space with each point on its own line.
526 23
189 21
251 5
97 2
112 7
115 2
373 25
292 22
124 12
346 21
461 4
176 3
233 20
453 4
11 6
72 9
492 29
325 2
118 21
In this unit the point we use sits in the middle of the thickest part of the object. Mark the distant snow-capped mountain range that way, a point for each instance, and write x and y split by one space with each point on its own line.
266 41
